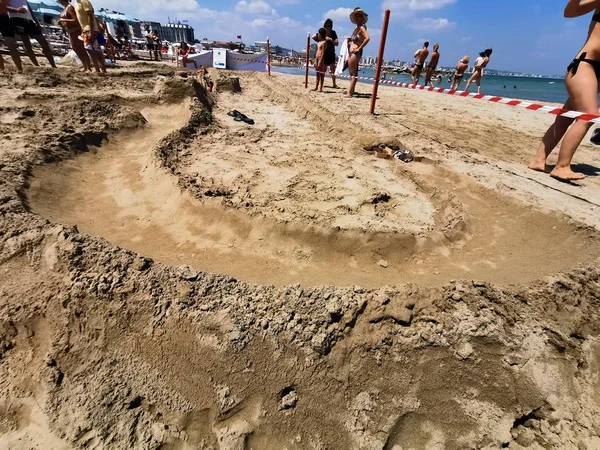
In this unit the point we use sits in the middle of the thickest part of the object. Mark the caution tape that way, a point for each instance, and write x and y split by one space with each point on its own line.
584 117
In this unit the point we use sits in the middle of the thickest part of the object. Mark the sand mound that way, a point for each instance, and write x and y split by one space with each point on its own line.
101 347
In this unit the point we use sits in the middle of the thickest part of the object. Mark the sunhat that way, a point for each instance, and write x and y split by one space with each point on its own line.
357 12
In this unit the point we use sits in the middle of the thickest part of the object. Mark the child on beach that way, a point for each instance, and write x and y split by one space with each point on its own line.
320 60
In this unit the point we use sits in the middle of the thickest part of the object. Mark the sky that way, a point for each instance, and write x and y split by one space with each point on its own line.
530 36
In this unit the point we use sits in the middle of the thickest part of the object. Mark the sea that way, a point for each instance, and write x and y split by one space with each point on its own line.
546 90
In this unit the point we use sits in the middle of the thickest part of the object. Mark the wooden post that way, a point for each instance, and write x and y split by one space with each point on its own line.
268 56
307 60
386 22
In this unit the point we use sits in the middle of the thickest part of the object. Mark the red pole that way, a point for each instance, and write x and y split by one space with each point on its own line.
269 56
307 60
386 22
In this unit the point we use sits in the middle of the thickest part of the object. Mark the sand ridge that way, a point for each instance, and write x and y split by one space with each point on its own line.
119 351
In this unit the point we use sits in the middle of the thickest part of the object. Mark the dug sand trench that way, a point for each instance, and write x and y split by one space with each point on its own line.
285 202
123 323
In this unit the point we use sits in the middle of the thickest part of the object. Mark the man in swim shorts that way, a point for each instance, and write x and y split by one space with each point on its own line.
433 63
420 58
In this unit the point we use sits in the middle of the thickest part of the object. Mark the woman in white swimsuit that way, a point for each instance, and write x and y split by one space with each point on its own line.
480 63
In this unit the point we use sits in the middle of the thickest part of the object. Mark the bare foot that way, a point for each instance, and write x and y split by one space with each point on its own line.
313 90
538 166
347 95
566 174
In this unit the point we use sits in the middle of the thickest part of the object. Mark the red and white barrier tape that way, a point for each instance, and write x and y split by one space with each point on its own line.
594 118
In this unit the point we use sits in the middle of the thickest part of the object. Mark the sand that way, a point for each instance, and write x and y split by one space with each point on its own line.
174 279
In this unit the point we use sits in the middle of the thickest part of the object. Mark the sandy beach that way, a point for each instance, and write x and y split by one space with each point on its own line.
175 279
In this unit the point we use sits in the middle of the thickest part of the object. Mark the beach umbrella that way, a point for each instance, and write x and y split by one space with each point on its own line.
40 4
48 12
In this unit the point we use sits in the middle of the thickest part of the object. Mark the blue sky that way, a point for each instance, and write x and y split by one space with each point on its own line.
526 35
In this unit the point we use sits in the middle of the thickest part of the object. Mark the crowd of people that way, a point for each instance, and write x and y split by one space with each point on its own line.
325 58
88 35
89 38
581 81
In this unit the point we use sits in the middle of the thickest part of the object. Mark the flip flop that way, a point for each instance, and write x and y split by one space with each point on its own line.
596 137
234 113
246 119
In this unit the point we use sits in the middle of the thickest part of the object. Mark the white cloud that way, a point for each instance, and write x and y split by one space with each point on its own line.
255 8
432 25
415 5
338 14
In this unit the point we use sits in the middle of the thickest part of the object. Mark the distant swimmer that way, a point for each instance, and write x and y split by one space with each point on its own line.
433 63
581 81
459 73
420 58
480 64
359 40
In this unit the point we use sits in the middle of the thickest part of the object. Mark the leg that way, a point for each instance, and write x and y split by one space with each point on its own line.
94 57
29 50
332 72
46 50
79 49
428 76
583 91
470 81
478 83
11 43
100 55
551 139
417 75
353 67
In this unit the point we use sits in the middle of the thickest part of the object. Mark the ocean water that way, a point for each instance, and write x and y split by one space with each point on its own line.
543 90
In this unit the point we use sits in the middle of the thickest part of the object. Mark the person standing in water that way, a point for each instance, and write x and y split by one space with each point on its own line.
420 58
359 40
480 63
433 63
332 41
581 81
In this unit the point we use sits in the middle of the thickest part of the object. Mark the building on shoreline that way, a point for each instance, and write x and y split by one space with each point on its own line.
171 32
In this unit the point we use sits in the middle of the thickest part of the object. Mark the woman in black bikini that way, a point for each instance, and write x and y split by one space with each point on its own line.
581 82
359 40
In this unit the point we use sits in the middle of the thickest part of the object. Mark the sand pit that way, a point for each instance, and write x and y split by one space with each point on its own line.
174 279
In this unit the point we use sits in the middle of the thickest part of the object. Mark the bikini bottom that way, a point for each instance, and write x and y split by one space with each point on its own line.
575 64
